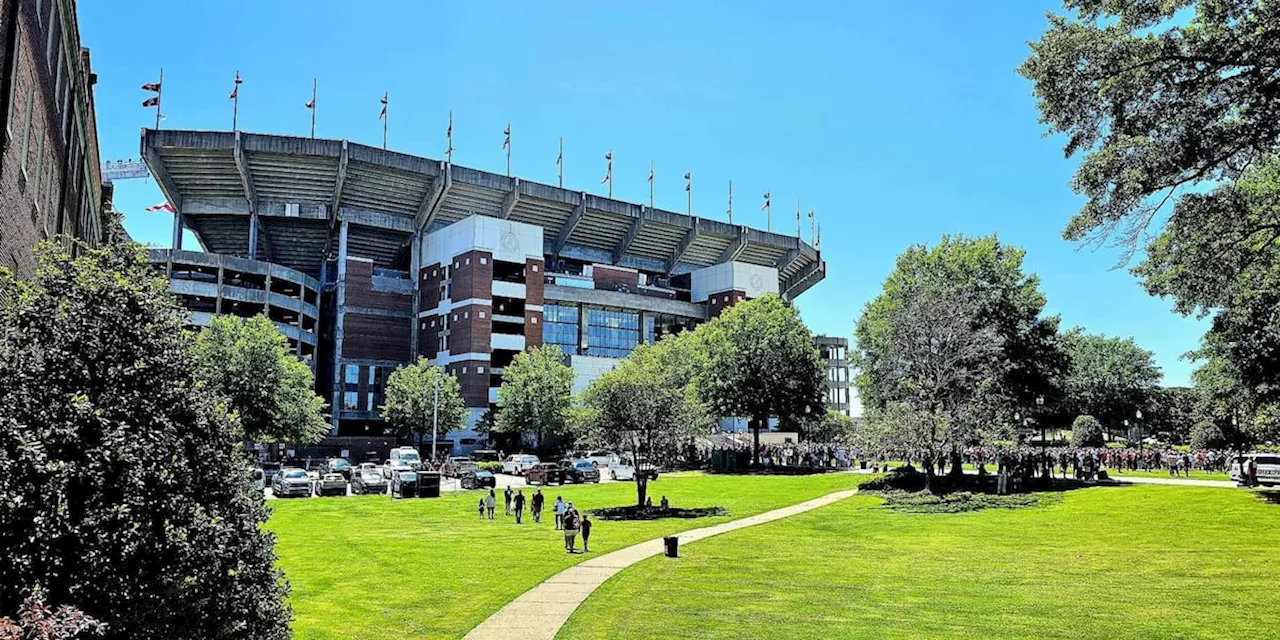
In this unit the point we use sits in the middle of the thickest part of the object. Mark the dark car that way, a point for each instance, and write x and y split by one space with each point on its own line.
579 471
544 473
337 465
477 480
368 479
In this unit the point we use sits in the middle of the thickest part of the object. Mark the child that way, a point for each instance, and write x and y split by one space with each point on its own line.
482 508
586 533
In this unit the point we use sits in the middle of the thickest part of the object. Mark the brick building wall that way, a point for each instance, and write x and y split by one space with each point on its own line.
50 175
718 302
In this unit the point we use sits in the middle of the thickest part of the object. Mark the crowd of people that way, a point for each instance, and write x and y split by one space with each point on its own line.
567 517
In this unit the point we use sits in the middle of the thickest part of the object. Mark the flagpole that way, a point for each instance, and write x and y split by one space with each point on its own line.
448 152
159 96
560 164
730 202
507 144
386 116
688 192
650 183
314 82
797 218
813 229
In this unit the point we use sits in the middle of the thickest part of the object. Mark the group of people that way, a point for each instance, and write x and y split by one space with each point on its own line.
813 455
568 518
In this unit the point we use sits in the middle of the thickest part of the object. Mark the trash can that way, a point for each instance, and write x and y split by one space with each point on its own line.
404 485
672 546
428 484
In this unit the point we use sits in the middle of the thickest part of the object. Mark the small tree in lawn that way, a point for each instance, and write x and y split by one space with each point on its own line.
246 362
640 407
422 399
1086 431
123 489
534 399
761 364
1207 435
830 426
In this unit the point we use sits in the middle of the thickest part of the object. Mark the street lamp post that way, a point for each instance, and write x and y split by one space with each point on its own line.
435 417
1044 430
1137 423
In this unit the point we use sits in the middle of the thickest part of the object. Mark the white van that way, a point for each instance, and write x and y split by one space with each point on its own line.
601 459
407 455
519 463
1268 469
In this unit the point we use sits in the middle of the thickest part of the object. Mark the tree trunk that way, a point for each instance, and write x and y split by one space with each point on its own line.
928 477
755 444
957 464
642 487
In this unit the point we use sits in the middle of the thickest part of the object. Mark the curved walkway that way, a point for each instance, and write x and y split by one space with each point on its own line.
539 613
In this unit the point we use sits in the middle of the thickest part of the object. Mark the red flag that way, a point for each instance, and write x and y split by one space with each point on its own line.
151 102
163 206
151 86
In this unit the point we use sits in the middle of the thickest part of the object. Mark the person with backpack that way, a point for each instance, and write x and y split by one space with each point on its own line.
536 506
519 501
570 523
506 500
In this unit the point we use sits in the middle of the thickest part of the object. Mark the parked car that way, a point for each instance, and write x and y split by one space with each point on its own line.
458 465
291 482
393 466
1268 469
545 473
368 479
337 465
408 455
477 480
404 484
519 463
600 459
620 471
641 463
270 470
332 483
579 471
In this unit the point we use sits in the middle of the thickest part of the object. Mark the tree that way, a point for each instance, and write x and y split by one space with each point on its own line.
1156 98
534 398
927 365
421 400
642 407
1109 378
123 489
1171 410
1086 431
1207 435
761 363
1236 408
246 362
830 426
958 333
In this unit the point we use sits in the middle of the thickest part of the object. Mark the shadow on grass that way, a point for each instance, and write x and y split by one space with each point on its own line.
770 471
655 513
1271 497
903 490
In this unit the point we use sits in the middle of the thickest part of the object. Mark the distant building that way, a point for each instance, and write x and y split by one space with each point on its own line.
368 259
50 175
835 352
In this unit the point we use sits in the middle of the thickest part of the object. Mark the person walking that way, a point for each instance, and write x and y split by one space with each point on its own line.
536 505
570 521
489 503
586 533
481 507
519 505
558 508
665 504
506 500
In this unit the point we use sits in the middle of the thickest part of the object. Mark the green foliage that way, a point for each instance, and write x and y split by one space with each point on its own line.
831 426
491 467
1086 431
761 363
123 489
954 343
534 399
246 362
1207 435
1109 378
411 405
38 621
1173 410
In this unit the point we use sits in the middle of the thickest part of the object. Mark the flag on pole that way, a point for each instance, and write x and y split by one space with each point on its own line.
506 142
650 172
311 104
151 102
151 86
163 206
608 172
766 204
235 90
688 181
382 114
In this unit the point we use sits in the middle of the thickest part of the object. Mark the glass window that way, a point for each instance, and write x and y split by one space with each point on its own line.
648 329
373 373
350 400
560 327
612 334
352 374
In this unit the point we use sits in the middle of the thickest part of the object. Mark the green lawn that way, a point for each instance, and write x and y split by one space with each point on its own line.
1139 561
370 567
1196 474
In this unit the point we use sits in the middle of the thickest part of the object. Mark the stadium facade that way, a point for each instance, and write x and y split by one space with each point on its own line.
368 258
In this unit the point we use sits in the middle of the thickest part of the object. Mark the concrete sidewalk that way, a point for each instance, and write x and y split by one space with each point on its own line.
539 613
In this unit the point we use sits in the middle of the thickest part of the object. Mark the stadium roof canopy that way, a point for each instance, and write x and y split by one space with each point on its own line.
302 188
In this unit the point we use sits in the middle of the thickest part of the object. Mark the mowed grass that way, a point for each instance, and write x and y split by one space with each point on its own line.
1196 474
1138 561
371 567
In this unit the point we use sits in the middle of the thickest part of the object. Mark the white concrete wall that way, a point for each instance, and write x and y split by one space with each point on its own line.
506 341
508 241
753 279
587 368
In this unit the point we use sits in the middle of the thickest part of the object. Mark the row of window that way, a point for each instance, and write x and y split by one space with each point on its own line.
609 333
375 381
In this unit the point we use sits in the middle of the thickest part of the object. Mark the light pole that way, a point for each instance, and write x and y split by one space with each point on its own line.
1044 431
1137 418
435 417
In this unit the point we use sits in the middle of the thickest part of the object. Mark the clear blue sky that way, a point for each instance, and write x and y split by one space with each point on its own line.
897 122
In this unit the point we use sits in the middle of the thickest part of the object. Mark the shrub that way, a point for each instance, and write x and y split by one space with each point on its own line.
491 467
1086 431
123 488
1207 435
38 621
